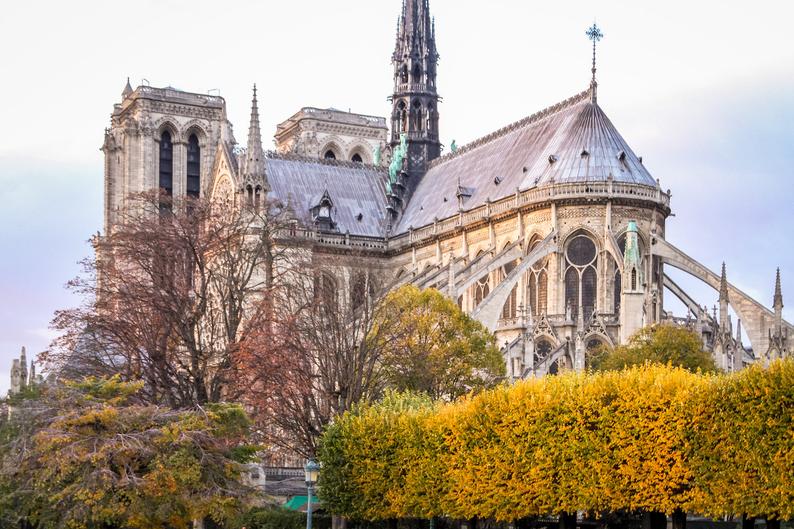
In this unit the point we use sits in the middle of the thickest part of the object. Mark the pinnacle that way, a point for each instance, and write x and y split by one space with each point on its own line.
778 300
724 284
127 89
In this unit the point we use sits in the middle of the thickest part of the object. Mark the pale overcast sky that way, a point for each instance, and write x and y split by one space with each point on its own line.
703 90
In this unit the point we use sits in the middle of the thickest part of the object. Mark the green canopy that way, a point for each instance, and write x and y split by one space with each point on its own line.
299 503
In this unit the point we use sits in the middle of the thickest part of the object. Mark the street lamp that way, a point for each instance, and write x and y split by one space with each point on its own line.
312 470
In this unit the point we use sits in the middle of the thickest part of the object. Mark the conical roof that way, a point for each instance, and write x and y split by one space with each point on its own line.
573 141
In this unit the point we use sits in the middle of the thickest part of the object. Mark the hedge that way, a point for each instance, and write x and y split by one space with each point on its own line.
651 438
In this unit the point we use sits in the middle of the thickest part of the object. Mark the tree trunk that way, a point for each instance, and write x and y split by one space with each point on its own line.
748 522
654 520
567 520
772 523
337 522
679 519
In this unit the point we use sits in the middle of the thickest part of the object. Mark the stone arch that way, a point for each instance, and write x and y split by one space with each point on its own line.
488 311
756 318
361 150
197 127
170 124
580 272
582 230
335 145
222 194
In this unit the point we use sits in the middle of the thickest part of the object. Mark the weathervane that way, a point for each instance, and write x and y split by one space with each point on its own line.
594 33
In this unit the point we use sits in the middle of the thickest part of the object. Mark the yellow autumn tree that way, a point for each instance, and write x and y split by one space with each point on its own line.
742 449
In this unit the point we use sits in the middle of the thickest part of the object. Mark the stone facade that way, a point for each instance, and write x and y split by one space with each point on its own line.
332 134
550 231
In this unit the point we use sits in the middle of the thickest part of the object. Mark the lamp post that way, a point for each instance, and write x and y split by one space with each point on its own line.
312 470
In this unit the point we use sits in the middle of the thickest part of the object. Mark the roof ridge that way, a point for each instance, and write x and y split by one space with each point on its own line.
291 156
532 118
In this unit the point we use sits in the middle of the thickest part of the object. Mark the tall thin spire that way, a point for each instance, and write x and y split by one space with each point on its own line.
724 321
778 300
724 284
255 155
415 99
594 33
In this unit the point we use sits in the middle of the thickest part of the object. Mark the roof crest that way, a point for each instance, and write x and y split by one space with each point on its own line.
289 156
533 118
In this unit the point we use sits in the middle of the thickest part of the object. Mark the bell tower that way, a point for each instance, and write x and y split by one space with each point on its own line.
415 99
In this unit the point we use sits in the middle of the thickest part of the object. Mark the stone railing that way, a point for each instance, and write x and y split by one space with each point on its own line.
341 240
171 94
539 195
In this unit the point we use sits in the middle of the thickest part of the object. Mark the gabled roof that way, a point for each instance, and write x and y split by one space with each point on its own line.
572 141
358 191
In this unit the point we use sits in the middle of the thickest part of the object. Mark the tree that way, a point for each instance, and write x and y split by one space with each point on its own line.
430 345
326 350
166 297
660 344
90 454
310 361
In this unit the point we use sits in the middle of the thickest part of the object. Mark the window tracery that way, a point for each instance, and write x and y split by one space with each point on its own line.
581 284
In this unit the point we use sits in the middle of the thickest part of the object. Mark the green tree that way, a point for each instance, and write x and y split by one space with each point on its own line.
429 345
658 344
87 454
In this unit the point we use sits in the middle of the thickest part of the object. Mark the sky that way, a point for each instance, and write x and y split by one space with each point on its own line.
703 90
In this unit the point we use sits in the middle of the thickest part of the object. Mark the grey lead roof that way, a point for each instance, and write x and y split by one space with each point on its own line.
354 189
573 141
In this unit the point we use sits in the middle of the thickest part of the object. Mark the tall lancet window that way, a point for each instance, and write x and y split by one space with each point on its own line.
581 287
538 282
193 167
166 183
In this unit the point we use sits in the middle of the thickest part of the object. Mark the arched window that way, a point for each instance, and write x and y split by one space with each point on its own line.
481 290
416 115
329 155
250 190
325 291
193 167
509 308
543 349
358 290
417 74
257 197
633 279
357 158
538 282
618 288
166 182
581 285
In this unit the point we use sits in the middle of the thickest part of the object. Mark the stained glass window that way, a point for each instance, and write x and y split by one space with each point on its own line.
193 167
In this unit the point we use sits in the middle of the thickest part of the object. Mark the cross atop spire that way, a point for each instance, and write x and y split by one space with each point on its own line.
594 33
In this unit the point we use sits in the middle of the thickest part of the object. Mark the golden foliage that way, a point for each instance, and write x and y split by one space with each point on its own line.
652 437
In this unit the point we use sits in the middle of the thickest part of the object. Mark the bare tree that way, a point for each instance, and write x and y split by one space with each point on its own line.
171 293
312 361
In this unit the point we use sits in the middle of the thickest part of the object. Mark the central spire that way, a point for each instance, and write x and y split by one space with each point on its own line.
415 99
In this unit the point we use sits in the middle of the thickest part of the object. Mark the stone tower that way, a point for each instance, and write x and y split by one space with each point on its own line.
161 138
415 99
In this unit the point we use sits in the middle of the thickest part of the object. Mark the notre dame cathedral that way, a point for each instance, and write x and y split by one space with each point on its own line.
549 231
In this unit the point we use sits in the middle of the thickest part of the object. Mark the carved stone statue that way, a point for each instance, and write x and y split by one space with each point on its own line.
376 155
397 159
453 147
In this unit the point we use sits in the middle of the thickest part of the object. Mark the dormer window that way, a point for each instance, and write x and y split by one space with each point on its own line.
322 213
